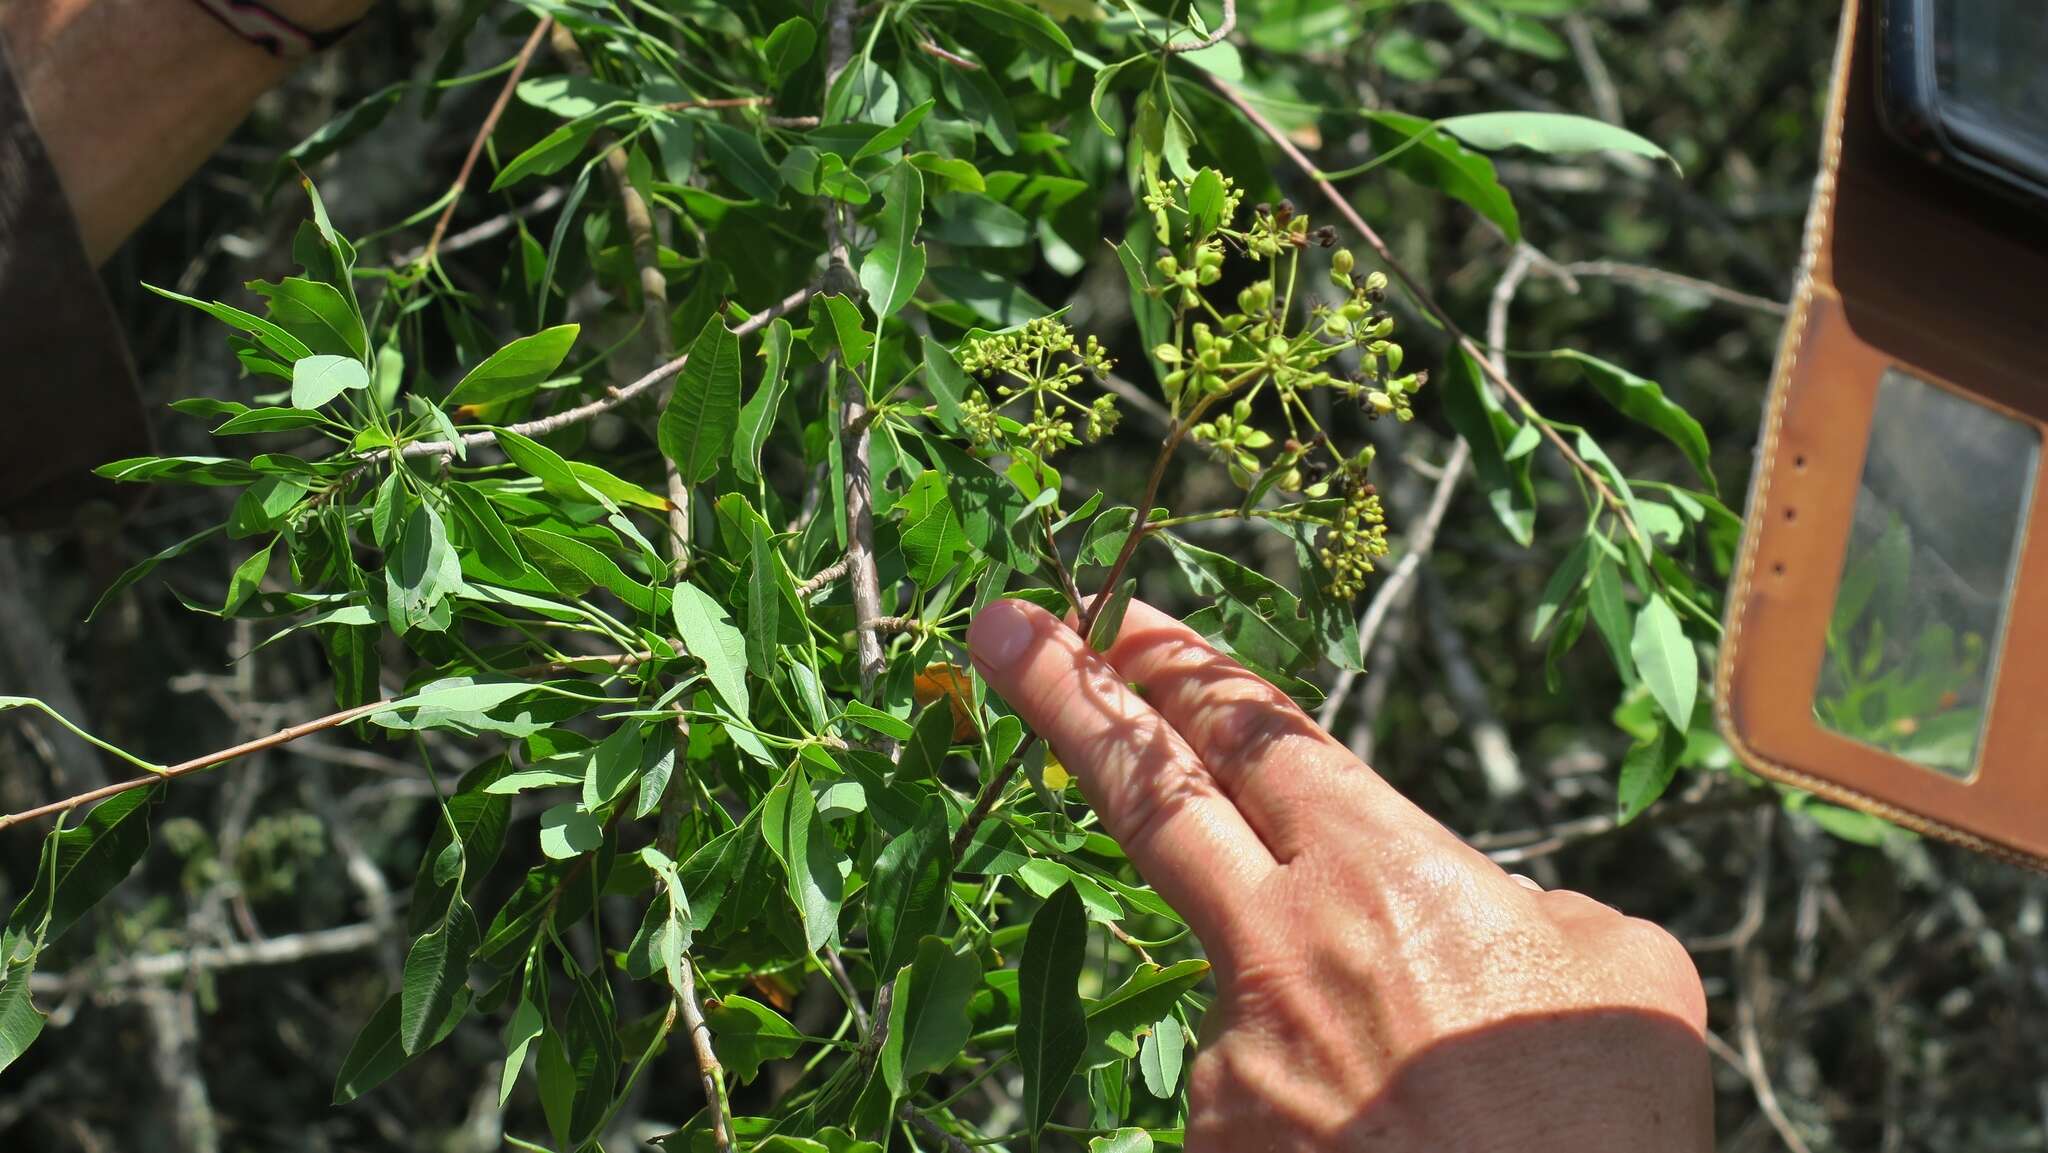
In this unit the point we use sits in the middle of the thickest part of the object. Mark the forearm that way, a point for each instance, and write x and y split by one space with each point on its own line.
130 96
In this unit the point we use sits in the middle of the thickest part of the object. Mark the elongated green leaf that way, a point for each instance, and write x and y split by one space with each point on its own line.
1666 660
516 369
21 1022
1565 583
1470 405
1437 160
281 343
567 831
697 426
893 268
1122 1141
933 539
1052 1026
81 865
1643 401
1611 615
378 1052
709 635
928 1023
907 898
1647 770
437 965
1558 133
319 379
1026 23
757 417
803 843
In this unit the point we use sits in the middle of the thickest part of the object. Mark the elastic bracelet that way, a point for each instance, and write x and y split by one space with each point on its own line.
271 30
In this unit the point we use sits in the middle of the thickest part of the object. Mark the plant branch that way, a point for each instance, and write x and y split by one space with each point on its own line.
826 576
206 761
483 135
653 291
1429 303
612 399
853 409
1140 526
712 1073
991 792
1223 28
209 958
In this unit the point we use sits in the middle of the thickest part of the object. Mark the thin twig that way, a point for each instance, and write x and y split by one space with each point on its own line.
825 576
718 102
929 48
930 1128
1675 283
206 761
1223 28
991 792
210 958
484 230
611 400
483 134
1429 304
708 1068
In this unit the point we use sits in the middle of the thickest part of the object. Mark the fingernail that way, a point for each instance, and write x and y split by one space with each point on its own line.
999 635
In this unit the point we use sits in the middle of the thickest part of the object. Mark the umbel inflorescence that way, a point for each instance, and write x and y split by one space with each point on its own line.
1234 377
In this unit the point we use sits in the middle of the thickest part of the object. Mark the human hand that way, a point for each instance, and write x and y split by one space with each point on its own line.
1383 985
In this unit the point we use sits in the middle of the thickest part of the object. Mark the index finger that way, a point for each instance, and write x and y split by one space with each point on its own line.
1287 775
1153 793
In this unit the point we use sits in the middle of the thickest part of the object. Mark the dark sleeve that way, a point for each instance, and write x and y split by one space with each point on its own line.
67 389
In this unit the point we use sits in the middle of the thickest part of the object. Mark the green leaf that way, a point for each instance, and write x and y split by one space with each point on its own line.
79 866
907 895
932 538
836 320
891 138
947 383
740 158
516 369
567 831
569 96
282 344
893 268
421 573
319 379
1557 133
1470 406
378 1052
1500 23
1437 160
1563 587
1611 616
803 843
710 636
1160 1057
436 968
21 1022
614 765
1644 402
1052 1027
144 567
928 1022
971 221
788 46
1647 770
1666 660
1122 1141
697 426
317 313
1028 24
747 1033
550 154
757 417
1148 995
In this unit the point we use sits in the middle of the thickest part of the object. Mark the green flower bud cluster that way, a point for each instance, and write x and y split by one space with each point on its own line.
1037 365
1206 269
1357 535
1233 437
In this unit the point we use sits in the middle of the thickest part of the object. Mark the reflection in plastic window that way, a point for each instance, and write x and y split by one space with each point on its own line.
1912 643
